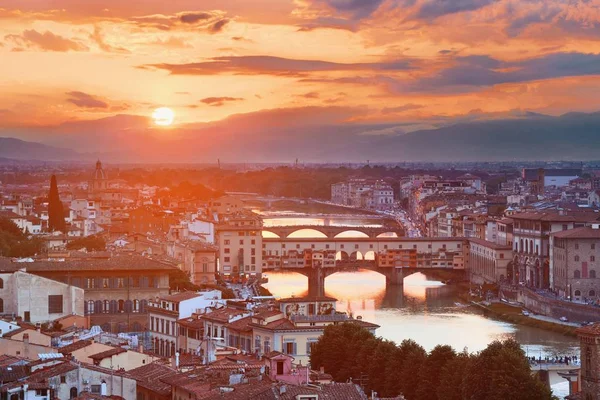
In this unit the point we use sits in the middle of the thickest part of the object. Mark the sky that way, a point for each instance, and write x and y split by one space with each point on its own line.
414 63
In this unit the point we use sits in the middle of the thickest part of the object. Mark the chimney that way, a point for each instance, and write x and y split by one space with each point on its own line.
26 338
140 348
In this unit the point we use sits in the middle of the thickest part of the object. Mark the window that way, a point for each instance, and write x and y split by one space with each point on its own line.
227 242
592 293
257 343
577 274
73 393
151 323
565 227
576 246
226 250
577 293
1 283
267 345
226 259
55 304
289 348
253 241
593 246
592 258
96 389
576 258
105 283
241 241
593 273
63 379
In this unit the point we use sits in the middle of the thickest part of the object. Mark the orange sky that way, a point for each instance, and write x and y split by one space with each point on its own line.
389 60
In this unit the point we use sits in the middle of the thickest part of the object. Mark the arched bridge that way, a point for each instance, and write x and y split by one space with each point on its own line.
333 231
393 275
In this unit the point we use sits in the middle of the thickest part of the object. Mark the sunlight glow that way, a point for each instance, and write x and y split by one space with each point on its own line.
163 116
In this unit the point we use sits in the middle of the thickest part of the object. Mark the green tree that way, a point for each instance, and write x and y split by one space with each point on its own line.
56 217
451 377
502 371
14 243
429 374
411 368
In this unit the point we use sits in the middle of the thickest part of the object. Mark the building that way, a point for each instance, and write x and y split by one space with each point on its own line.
589 339
531 242
575 263
489 262
558 177
239 239
116 288
225 205
199 259
215 325
149 384
35 298
167 310
363 193
99 180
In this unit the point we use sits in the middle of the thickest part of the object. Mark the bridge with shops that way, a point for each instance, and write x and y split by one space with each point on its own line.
393 257
333 231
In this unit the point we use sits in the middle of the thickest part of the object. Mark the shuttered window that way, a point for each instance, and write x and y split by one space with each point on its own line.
55 304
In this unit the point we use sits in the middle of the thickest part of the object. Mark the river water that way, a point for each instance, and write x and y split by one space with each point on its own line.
423 310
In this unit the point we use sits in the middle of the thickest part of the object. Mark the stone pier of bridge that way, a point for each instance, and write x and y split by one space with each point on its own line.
316 277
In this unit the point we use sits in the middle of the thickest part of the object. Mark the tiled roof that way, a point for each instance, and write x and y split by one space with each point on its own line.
266 390
191 322
107 353
591 330
80 344
6 360
585 232
241 325
119 262
177 297
222 314
488 244
149 377
306 299
13 373
556 217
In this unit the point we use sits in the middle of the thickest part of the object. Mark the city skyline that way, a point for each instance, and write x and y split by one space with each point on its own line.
367 71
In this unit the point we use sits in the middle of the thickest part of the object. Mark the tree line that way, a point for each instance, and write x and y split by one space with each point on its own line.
501 371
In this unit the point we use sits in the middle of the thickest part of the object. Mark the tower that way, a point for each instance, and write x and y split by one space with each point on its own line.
99 181
589 337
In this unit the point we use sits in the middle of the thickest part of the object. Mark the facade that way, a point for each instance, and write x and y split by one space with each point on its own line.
35 298
239 239
589 339
116 289
575 263
489 262
198 260
363 193
166 311
225 205
531 242
215 325
99 181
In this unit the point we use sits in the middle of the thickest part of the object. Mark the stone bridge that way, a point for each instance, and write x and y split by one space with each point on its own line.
332 231
393 275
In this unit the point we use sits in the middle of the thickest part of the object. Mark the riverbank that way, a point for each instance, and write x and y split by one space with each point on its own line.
513 314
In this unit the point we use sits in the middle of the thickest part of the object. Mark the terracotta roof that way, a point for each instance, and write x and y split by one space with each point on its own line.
306 299
119 262
591 330
274 354
263 314
107 353
13 373
266 390
6 360
585 232
222 314
177 297
556 217
80 344
280 324
241 325
191 322
149 377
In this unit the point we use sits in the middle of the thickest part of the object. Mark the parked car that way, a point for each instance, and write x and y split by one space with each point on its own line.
564 319
526 313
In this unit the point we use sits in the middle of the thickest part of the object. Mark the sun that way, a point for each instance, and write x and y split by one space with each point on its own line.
163 116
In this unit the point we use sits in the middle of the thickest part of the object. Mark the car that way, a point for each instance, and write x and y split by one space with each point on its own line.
526 313
564 319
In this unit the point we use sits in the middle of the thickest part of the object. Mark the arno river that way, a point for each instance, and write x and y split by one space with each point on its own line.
422 310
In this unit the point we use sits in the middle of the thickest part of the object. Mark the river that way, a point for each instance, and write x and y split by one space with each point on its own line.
422 310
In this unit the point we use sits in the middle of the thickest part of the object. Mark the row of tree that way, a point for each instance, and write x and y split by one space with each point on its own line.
501 371
16 243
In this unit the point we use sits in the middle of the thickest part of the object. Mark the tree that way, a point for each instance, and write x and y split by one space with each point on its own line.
14 243
451 377
429 375
56 216
502 371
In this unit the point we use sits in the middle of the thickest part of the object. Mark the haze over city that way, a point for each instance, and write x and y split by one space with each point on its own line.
282 78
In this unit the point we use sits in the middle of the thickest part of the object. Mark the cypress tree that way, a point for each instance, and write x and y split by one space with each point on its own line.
56 217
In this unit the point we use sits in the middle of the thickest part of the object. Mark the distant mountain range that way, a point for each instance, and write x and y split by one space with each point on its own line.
313 136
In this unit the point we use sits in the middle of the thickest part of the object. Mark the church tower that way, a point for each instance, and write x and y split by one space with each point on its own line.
589 337
99 181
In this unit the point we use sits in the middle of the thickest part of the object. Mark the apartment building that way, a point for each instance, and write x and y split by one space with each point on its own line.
239 239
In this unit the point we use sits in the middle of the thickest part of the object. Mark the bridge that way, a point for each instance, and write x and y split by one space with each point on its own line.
395 258
332 231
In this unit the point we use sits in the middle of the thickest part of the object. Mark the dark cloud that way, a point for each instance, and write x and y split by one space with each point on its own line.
192 18
432 9
310 95
252 65
218 26
45 41
85 100
219 101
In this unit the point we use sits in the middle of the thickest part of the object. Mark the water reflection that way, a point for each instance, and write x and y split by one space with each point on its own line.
423 310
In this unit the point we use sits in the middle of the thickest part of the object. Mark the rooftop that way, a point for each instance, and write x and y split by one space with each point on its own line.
118 262
585 232
488 244
181 296
107 353
149 377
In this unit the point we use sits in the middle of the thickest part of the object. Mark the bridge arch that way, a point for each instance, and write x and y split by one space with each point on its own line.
307 233
352 233
356 256
268 234
341 256
388 235
370 255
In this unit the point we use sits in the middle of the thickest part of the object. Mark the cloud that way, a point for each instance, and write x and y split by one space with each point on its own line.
97 37
219 101
432 9
46 41
85 100
192 18
219 25
399 109
253 65
309 95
